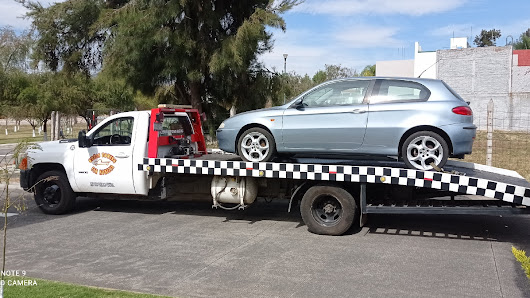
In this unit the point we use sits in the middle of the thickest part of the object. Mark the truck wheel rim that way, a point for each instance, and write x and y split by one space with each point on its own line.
52 195
255 146
423 150
327 210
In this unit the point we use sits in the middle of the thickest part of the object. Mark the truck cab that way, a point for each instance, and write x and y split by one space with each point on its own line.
105 160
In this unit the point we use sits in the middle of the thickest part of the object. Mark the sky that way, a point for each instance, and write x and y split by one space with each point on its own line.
356 33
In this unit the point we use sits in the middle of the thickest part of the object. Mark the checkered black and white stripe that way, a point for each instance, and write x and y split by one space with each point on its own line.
443 181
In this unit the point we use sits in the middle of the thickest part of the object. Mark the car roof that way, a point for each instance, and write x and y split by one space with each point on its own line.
388 78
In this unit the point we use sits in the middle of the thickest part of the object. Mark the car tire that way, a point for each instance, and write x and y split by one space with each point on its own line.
256 144
328 210
53 193
422 148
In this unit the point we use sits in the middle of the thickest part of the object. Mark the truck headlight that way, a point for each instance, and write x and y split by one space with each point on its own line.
222 126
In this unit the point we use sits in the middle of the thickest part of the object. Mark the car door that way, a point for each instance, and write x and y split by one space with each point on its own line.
106 166
331 118
394 107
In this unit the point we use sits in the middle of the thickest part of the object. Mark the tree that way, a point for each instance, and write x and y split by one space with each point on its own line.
332 72
69 38
368 71
41 97
14 49
523 43
487 38
197 51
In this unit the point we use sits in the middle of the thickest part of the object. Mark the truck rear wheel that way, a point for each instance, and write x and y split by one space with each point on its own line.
328 210
53 193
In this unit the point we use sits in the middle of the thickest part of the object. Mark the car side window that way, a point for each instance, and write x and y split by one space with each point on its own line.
398 91
339 93
116 132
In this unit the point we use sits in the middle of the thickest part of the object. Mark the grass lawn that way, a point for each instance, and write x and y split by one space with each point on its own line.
52 289
510 151
26 132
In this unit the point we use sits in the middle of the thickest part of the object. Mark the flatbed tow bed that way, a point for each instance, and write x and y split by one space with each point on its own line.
493 191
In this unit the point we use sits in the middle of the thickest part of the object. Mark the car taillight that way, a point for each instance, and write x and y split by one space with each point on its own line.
466 111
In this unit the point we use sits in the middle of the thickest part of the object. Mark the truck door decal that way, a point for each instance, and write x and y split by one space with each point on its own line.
102 163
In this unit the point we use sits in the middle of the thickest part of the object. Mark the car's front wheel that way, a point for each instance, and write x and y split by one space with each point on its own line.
53 193
423 148
256 144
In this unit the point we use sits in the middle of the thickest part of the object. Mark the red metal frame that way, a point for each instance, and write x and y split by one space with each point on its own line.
155 140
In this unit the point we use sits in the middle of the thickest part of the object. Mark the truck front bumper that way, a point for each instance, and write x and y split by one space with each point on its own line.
24 179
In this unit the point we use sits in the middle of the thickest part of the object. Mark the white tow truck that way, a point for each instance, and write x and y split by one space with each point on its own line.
161 155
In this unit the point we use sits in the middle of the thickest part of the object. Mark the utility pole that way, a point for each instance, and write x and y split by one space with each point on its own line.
284 71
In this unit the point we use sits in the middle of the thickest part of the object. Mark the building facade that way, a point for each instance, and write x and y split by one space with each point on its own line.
479 75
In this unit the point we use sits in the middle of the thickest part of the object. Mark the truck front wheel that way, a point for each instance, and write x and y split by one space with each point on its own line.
328 210
53 193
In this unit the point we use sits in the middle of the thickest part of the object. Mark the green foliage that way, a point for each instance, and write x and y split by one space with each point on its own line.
194 52
520 255
69 36
14 49
523 43
368 71
320 77
331 72
487 38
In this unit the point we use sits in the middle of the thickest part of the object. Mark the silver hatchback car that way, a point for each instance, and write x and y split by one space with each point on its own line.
421 121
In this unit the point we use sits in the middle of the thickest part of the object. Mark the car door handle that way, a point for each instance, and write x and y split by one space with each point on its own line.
122 155
358 111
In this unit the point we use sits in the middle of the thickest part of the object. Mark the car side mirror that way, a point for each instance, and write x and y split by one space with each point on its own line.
299 104
84 142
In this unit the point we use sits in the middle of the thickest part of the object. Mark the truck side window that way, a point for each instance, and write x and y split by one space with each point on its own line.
116 132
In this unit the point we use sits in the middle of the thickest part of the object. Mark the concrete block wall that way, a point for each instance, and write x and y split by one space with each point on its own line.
483 74
520 79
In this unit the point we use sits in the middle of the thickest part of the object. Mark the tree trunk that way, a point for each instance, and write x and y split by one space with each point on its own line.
195 98
233 110
52 126
44 130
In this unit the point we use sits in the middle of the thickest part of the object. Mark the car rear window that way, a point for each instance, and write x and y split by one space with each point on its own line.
399 91
453 91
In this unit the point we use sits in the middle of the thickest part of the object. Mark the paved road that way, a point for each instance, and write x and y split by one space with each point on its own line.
189 250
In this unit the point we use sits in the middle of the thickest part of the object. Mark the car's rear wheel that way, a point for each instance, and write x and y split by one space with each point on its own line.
256 144
328 210
423 148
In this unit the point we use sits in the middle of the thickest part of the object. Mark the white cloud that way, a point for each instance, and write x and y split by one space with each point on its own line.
365 36
309 51
514 29
458 30
384 7
12 14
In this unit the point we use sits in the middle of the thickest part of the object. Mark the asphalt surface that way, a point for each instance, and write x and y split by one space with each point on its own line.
190 250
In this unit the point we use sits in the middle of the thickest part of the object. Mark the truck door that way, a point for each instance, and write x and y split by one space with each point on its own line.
107 166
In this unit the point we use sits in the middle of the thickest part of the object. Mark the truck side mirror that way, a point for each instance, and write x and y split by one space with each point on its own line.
82 139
